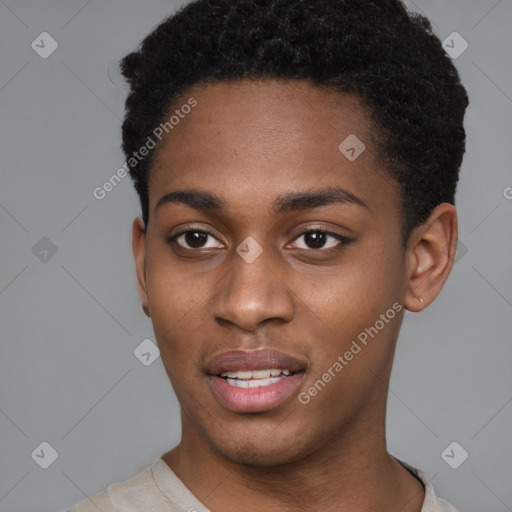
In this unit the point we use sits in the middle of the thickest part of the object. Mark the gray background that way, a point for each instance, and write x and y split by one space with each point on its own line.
70 323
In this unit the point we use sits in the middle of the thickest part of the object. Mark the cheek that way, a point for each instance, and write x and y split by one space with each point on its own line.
346 307
354 294
178 309
350 363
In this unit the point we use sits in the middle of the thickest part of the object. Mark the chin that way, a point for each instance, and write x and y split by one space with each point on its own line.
255 456
246 449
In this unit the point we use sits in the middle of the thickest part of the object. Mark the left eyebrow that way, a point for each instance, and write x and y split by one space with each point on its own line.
295 201
314 199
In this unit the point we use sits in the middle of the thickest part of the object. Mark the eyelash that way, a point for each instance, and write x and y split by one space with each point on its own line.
344 240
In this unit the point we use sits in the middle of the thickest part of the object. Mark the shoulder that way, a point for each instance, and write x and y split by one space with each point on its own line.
432 503
100 501
138 491
444 506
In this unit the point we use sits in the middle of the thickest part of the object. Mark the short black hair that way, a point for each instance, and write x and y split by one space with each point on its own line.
377 49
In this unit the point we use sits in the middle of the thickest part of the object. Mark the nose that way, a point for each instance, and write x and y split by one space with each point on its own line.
251 294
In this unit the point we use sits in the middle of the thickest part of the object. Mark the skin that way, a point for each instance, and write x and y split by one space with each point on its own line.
248 143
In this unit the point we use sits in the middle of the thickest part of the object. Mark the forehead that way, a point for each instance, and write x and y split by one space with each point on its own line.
265 137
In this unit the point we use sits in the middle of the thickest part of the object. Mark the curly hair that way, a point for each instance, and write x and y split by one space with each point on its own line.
391 58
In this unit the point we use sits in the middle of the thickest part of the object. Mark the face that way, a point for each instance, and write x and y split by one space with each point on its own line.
268 254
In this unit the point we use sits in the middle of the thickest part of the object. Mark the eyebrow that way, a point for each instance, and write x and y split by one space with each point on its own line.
295 201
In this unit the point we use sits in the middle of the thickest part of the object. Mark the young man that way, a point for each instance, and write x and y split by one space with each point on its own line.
296 162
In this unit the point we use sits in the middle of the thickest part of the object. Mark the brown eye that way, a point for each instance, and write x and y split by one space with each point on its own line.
319 239
315 239
195 239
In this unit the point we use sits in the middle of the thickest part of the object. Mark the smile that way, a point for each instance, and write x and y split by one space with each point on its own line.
255 379
259 380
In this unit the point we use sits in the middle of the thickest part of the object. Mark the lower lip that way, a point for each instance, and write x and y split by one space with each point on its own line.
258 399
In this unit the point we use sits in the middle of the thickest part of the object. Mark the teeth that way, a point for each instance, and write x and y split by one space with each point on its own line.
261 374
243 375
256 374
238 383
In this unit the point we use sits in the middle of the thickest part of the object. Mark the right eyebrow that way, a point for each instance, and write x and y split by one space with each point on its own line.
194 198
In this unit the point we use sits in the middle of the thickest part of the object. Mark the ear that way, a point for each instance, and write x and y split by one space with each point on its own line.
139 254
430 255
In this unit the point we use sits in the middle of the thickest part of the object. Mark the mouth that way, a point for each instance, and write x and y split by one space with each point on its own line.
256 378
254 381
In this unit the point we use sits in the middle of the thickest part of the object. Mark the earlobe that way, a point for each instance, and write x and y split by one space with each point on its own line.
430 256
139 254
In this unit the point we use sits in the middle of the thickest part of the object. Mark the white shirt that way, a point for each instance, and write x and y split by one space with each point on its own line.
157 489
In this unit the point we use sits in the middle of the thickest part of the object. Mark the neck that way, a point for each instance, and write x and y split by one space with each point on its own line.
352 471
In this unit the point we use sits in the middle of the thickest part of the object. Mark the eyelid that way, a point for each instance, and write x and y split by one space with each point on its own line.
344 240
193 227
172 238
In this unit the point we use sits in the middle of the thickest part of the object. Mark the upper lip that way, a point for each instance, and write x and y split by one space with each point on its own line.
259 359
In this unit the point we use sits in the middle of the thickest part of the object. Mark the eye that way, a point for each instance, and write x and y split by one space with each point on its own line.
320 239
195 239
